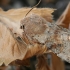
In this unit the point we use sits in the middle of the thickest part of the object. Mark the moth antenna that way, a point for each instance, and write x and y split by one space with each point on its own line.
33 7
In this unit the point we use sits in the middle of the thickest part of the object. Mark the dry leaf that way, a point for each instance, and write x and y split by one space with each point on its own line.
64 19
56 62
3 68
25 62
18 14
35 50
10 49
42 63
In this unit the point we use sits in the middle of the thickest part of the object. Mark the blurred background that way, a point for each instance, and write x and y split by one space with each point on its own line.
60 5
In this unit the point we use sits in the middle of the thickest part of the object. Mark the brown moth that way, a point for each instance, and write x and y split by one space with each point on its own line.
54 37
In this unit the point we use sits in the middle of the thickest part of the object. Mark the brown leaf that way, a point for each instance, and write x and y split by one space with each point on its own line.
25 62
64 19
42 63
35 50
56 62
3 68
10 49
18 14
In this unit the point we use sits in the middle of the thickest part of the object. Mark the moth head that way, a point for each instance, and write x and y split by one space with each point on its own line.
33 24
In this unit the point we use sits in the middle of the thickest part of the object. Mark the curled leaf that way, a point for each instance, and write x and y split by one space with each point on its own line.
18 14
64 19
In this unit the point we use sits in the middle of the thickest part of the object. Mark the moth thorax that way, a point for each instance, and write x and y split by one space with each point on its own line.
34 24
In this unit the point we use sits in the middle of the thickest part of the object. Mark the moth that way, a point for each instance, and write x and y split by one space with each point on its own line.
53 35
33 35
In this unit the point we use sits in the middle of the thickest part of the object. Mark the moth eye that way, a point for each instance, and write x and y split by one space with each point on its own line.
22 27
